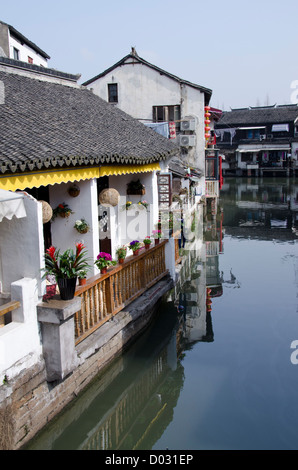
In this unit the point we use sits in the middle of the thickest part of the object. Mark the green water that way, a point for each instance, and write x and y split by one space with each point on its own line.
223 379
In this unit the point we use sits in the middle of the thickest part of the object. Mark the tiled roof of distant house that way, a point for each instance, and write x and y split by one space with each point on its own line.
258 115
46 125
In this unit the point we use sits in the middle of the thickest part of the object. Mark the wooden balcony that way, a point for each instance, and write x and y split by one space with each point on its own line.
105 295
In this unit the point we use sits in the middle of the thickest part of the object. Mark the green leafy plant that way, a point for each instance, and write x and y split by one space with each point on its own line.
147 240
121 252
68 264
81 226
143 204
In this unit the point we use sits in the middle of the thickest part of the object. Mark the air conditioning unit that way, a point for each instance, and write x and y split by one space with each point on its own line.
188 125
187 140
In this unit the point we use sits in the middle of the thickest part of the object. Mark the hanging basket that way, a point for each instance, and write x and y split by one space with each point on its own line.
74 190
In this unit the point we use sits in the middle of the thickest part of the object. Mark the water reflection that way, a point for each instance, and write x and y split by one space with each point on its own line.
184 367
263 210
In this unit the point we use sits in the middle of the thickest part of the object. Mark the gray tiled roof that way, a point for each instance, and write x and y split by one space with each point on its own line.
44 125
258 115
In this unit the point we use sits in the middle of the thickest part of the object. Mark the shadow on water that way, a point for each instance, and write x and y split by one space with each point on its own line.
185 384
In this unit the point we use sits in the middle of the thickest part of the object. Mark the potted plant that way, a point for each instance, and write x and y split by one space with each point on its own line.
81 226
121 254
103 261
82 275
143 204
156 235
128 205
135 246
66 268
63 210
147 242
136 187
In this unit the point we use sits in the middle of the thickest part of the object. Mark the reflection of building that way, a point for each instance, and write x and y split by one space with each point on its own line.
131 405
251 215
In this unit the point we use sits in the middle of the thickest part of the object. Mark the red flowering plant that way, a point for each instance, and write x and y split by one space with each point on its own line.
63 210
104 260
68 264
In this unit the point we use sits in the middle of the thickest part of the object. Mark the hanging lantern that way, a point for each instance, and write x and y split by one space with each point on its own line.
109 197
47 212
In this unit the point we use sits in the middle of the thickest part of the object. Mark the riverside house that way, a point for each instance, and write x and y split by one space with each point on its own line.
259 140
61 145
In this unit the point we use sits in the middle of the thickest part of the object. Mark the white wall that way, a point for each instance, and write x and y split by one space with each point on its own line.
20 345
21 249
140 88
25 51
21 253
133 225
64 235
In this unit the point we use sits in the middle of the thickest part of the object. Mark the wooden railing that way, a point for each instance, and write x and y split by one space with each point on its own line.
105 295
7 308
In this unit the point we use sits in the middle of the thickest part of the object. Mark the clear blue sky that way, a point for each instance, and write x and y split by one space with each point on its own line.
246 52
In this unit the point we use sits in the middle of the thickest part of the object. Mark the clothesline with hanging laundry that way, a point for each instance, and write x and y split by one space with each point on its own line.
167 129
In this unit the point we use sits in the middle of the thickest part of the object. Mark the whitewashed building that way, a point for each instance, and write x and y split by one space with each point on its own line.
156 97
14 45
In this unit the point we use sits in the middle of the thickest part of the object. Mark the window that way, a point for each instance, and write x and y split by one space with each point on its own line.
16 53
166 113
113 92
253 134
30 60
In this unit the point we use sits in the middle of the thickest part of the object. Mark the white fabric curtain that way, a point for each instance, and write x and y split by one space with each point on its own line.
11 204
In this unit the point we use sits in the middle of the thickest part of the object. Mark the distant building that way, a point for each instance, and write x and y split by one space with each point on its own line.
259 140
14 45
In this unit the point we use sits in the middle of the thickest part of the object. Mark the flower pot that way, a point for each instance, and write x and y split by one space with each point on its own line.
136 252
85 230
121 260
147 246
67 287
156 241
64 214
82 282
103 270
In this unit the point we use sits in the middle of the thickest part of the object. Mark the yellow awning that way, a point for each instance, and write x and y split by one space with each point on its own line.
125 169
35 179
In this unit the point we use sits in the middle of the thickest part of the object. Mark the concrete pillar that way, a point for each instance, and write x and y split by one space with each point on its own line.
58 336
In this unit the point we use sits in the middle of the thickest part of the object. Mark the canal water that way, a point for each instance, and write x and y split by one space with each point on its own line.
217 367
